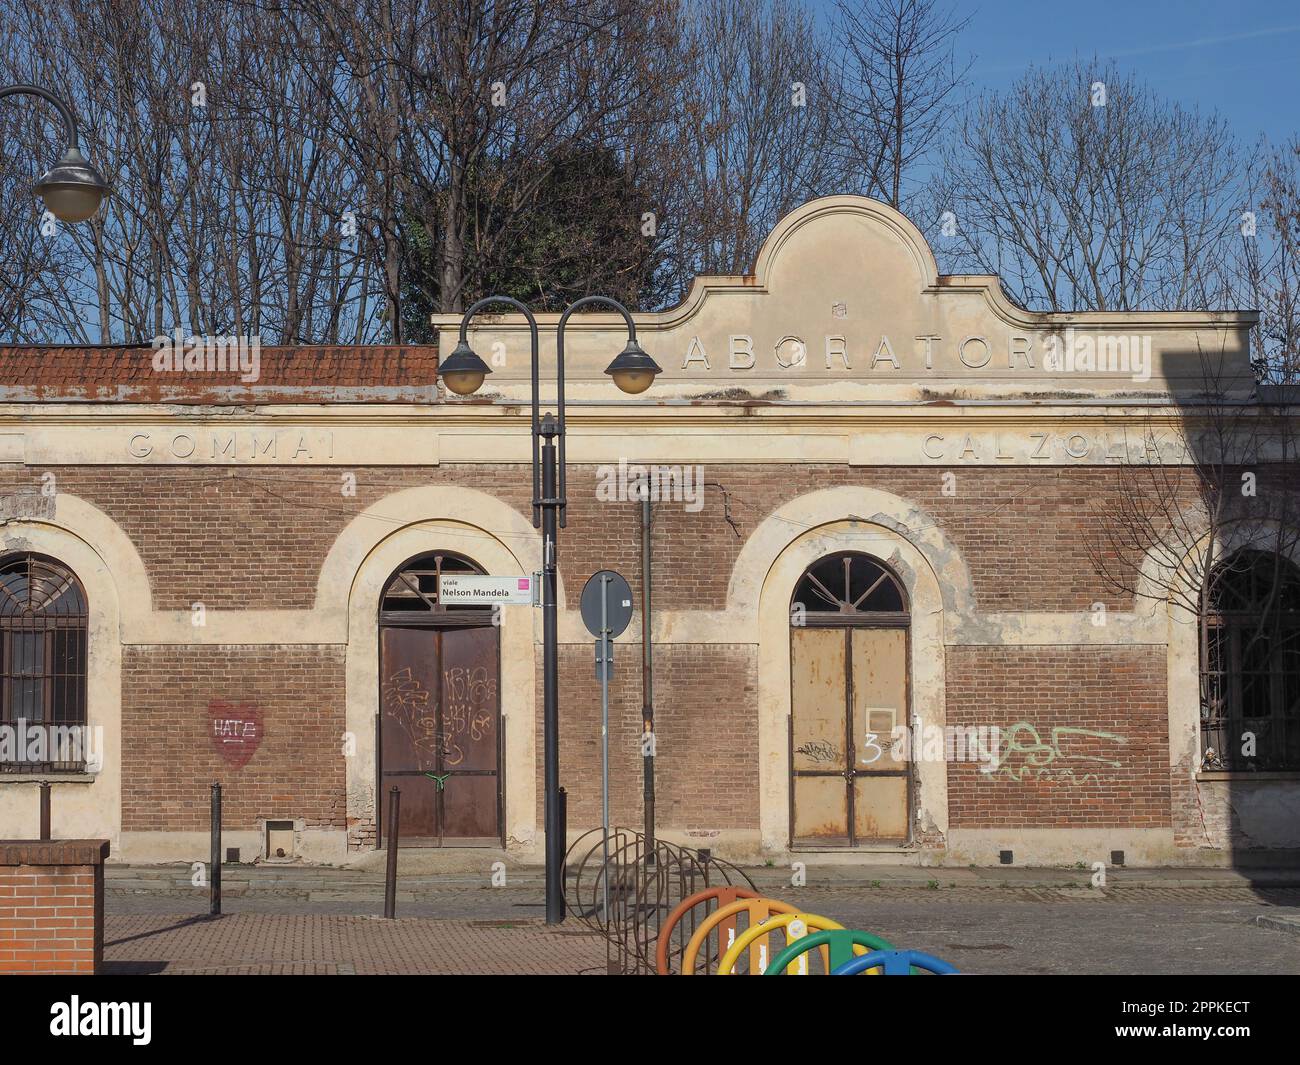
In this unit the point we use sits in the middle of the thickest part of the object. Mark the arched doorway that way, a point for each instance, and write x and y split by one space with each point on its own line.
850 780
439 709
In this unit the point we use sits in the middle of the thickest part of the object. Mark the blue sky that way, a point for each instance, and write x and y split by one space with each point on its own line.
1240 58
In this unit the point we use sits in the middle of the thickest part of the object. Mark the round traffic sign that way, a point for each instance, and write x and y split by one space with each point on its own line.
618 602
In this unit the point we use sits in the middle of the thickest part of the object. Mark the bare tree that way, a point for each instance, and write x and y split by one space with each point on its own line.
1271 268
228 193
894 90
751 128
454 112
31 264
1084 190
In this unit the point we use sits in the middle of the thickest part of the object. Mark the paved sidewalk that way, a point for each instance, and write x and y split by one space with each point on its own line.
1040 931
312 944
301 919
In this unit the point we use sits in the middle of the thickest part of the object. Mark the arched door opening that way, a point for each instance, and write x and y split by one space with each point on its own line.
850 779
439 710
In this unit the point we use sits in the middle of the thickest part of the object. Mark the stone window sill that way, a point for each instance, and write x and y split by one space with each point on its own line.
52 778
1239 775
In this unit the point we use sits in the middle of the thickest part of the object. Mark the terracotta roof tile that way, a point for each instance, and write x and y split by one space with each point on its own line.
379 373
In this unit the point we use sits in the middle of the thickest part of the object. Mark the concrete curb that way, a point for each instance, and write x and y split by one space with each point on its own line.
1279 923
321 883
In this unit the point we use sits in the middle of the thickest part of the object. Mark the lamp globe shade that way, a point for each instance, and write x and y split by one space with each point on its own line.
73 189
633 370
463 371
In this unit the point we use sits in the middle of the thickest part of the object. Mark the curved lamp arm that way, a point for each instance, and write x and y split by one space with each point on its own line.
510 301
65 112
72 189
604 300
585 301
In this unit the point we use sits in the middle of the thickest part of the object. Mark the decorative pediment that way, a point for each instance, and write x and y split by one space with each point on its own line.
846 304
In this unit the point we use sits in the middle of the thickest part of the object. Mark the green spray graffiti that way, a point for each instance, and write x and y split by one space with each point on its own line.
1023 755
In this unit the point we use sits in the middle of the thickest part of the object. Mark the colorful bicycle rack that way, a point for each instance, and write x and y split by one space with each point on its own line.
844 951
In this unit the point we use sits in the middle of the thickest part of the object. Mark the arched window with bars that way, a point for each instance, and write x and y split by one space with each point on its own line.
850 586
412 595
43 637
1250 668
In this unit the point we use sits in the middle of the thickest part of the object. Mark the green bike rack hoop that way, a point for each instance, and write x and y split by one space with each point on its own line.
840 940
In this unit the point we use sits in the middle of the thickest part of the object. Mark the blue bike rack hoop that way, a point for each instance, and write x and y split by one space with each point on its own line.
896 963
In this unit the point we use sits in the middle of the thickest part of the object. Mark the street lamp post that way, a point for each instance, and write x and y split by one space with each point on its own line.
72 189
633 372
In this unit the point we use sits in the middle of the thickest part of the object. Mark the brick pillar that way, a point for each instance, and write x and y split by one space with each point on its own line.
52 905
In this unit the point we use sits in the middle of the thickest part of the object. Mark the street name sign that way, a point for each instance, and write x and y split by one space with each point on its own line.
457 589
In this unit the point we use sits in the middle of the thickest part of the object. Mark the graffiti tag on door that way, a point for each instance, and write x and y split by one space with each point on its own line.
469 714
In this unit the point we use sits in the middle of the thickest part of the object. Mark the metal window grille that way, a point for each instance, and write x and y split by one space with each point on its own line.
411 596
1250 706
43 623
850 585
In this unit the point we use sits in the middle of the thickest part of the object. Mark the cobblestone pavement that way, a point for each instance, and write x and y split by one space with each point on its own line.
469 928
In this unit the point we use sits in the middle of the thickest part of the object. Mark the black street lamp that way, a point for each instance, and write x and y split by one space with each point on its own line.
463 373
72 189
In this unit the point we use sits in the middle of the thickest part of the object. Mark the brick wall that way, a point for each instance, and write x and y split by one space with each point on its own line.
52 906
296 769
706 721
1069 781
246 538
255 538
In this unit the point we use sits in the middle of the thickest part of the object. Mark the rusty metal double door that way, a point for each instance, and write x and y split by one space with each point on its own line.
850 770
440 734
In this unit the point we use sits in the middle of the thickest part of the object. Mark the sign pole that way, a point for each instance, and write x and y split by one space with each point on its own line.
606 607
550 504
604 732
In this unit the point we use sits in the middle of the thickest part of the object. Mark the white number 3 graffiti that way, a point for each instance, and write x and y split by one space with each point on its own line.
871 745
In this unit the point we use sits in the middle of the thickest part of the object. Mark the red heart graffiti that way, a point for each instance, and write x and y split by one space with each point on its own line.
236 731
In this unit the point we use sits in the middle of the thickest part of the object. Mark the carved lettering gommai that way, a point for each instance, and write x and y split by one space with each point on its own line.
232 446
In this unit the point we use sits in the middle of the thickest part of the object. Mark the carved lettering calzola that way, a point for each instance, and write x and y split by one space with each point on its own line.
1045 447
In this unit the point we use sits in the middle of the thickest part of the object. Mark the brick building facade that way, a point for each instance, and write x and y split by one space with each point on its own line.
260 562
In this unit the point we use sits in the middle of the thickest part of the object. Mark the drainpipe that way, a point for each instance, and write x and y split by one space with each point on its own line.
647 678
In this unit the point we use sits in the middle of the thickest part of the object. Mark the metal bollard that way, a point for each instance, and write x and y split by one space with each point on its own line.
45 809
390 872
214 864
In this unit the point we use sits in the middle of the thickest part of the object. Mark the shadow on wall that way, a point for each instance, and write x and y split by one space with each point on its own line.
1243 481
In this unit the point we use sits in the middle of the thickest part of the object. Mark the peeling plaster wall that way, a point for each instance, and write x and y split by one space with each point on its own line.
1250 815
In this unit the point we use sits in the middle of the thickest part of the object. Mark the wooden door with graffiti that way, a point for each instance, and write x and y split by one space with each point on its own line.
849 767
440 712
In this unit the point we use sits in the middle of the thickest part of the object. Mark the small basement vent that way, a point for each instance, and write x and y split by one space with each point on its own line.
279 840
